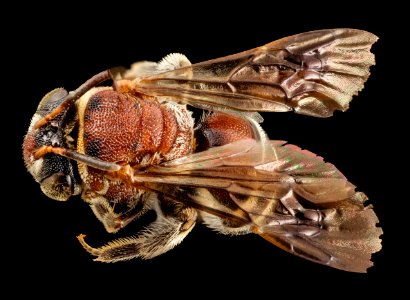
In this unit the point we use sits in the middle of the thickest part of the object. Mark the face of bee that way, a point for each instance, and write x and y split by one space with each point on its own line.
54 173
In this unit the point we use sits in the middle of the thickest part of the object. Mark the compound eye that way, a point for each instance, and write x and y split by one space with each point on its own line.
52 99
58 186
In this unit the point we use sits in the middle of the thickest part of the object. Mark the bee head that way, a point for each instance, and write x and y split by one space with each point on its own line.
53 172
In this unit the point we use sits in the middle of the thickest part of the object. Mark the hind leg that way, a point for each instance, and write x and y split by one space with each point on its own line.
174 221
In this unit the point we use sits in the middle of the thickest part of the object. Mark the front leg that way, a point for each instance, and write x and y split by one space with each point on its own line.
174 221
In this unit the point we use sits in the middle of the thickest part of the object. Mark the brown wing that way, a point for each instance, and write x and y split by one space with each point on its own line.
291 197
312 73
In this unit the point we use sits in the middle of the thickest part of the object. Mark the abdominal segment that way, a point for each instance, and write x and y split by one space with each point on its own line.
220 128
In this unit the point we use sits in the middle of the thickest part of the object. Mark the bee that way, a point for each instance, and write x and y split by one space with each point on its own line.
133 145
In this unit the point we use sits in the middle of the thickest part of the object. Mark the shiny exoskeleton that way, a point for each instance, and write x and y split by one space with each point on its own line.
135 146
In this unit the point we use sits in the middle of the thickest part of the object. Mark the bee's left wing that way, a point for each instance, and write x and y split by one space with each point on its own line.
290 196
312 73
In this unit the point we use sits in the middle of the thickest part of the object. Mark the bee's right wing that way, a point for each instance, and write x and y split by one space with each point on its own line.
253 168
290 196
312 73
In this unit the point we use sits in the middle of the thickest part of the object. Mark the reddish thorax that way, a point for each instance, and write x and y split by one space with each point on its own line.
124 128
133 130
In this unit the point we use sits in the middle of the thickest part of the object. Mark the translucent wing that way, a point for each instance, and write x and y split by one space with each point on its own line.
290 197
312 73
257 169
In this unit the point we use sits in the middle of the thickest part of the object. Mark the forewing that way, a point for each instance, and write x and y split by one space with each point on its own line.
291 197
251 168
312 73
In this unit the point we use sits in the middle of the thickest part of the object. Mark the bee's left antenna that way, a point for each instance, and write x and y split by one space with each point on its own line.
74 95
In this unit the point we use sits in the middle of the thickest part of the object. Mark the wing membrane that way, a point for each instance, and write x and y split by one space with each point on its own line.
348 246
290 196
248 167
312 73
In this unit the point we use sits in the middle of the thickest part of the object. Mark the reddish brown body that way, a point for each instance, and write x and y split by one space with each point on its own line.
130 129
124 128
219 129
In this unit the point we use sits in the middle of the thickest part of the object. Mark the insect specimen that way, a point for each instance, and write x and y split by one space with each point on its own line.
134 146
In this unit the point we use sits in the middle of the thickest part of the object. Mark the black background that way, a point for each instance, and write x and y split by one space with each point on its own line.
64 46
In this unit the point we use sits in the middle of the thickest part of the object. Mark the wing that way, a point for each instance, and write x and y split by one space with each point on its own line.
290 197
312 73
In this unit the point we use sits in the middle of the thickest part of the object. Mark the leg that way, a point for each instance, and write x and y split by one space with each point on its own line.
174 221
224 225
111 220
